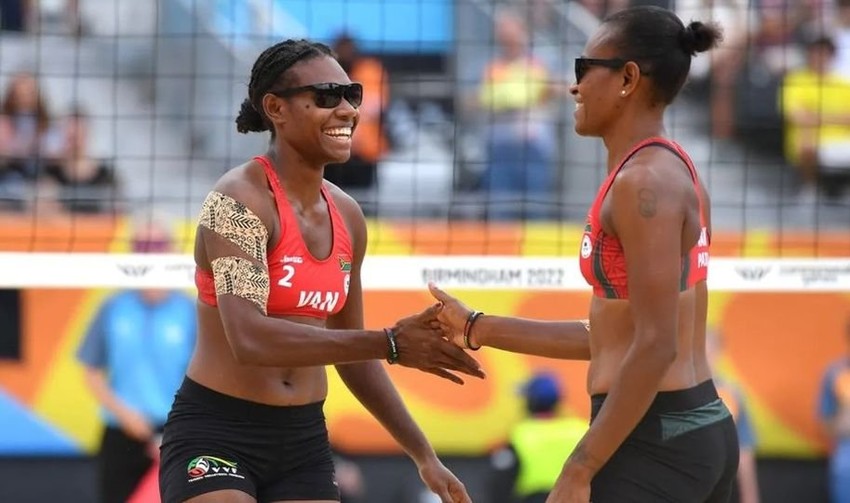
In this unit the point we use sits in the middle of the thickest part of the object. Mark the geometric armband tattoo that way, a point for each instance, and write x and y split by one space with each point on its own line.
242 278
233 221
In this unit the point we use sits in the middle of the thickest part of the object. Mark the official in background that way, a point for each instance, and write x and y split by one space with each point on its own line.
135 354
527 468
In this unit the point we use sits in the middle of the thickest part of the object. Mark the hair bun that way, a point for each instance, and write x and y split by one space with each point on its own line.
249 119
700 37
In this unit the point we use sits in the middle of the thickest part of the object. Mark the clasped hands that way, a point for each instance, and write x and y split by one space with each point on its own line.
433 340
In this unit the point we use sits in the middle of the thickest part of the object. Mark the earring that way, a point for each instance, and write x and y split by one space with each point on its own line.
623 92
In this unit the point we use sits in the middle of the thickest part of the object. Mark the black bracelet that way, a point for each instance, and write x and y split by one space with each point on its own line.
467 329
392 353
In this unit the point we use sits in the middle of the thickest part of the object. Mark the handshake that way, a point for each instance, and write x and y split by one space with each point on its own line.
435 339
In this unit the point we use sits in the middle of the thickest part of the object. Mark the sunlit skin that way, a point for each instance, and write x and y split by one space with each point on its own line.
248 363
300 150
653 341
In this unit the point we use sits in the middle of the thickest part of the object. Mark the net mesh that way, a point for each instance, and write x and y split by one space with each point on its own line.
149 92
137 124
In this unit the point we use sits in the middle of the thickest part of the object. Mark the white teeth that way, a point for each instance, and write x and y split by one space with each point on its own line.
338 131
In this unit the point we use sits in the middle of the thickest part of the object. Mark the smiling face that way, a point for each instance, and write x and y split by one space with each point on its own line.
598 95
320 135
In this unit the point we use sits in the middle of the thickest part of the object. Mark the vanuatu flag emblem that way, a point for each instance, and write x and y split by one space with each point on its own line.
344 263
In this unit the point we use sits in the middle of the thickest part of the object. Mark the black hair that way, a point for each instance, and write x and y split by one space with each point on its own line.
821 42
541 405
268 72
660 43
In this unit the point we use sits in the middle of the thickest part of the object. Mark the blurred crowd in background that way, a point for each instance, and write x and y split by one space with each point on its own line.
471 129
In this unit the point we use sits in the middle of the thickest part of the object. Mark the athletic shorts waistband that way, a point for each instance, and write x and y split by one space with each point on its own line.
671 401
247 410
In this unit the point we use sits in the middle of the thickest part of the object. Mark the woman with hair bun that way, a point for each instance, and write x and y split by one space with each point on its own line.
658 430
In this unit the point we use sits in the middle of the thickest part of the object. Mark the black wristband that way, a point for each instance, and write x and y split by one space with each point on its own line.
392 352
467 329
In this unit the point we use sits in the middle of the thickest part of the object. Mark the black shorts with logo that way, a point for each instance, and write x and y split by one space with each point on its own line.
684 450
213 442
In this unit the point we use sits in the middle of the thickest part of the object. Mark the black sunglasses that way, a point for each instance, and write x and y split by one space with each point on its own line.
584 64
328 94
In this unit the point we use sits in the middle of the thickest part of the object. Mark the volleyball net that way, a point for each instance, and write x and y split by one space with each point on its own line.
413 273
141 99
480 184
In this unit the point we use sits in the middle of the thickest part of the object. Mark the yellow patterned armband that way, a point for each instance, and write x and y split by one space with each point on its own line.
233 221
242 278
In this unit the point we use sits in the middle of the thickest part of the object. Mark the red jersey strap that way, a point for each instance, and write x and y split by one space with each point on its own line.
655 141
606 185
679 152
277 190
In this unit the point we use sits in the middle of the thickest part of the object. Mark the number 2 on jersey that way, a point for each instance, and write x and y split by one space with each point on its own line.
286 280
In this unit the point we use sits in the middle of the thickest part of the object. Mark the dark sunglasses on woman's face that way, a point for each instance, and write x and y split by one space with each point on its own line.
328 94
583 65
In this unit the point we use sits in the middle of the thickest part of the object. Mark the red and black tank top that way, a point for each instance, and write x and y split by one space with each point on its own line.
300 284
601 257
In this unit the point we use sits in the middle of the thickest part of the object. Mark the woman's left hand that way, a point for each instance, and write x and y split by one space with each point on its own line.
443 483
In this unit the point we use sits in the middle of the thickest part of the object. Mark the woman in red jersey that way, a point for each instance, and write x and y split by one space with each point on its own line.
658 430
279 254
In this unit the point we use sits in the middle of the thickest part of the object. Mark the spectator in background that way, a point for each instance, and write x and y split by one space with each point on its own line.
527 468
747 480
135 354
816 112
835 416
842 39
781 25
85 184
13 189
369 142
514 94
723 65
24 124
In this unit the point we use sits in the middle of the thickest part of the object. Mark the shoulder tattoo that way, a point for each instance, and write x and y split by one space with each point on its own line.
233 221
647 203
242 278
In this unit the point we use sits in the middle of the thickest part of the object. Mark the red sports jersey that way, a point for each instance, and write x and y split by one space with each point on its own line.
300 284
602 261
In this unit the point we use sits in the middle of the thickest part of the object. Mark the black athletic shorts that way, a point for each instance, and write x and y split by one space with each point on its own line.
213 442
684 450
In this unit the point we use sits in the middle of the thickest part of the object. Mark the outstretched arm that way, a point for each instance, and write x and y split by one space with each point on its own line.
234 227
567 340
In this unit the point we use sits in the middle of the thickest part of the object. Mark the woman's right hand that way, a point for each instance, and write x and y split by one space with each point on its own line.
422 345
452 315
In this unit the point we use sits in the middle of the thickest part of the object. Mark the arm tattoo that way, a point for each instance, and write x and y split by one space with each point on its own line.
647 203
236 223
240 277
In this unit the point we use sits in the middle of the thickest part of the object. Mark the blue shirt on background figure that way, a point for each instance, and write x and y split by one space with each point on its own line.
135 354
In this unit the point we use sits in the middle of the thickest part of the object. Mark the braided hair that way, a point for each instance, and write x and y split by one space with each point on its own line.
267 71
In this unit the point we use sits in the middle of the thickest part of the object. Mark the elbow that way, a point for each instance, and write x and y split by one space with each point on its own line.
245 351
245 346
661 350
